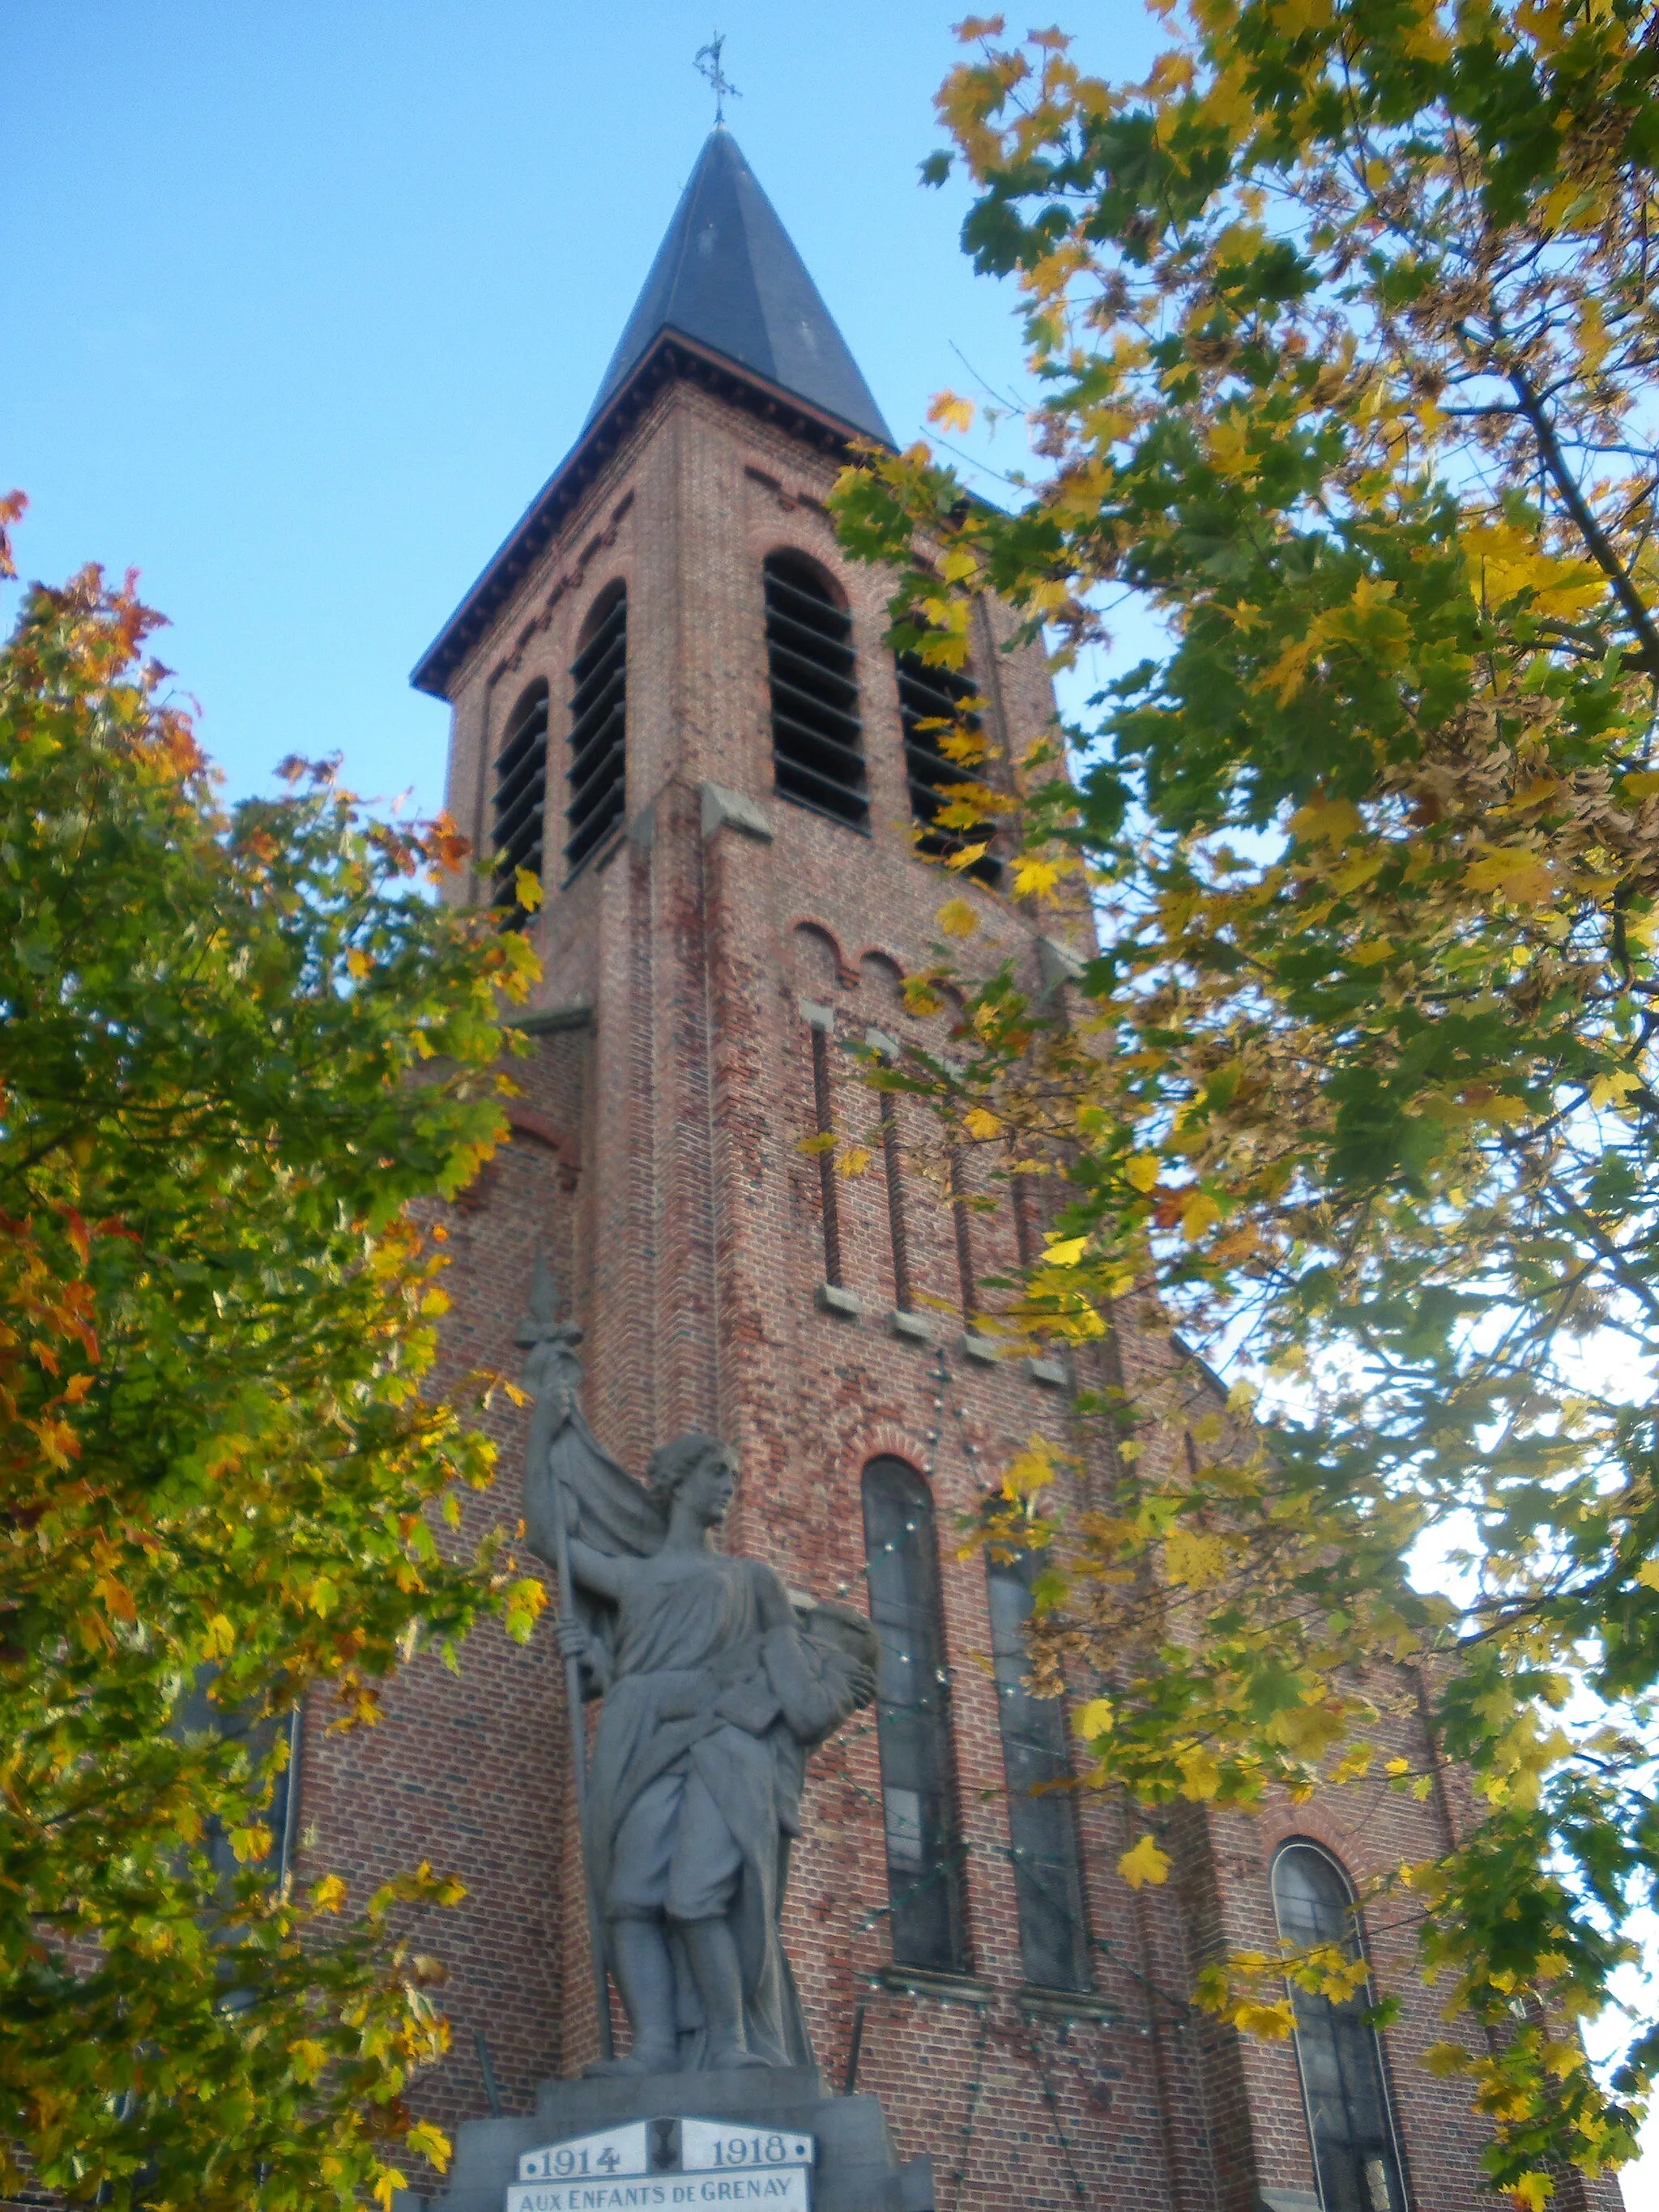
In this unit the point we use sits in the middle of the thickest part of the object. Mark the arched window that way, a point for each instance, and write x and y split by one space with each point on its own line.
930 702
598 728
817 739
924 1873
1053 1941
520 793
1344 2089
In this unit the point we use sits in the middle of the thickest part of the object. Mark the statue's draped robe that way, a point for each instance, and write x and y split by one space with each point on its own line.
700 1685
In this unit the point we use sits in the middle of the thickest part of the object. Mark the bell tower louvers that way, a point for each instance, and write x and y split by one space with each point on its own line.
673 700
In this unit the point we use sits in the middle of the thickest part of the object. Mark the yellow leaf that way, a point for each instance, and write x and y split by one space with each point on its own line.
1145 1863
1648 1574
854 1161
1064 1253
1092 1720
950 411
957 919
978 1123
431 2143
527 889
329 1894
1516 872
1229 446
959 564
1534 2191
1505 562
1445 2059
1193 1559
387 2183
1033 877
1398 1766
1201 1778
1642 785
307 2058
1309 1730
1142 1169
1613 1087
1200 1212
1327 821
358 964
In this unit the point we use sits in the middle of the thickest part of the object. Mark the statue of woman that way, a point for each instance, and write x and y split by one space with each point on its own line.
714 1694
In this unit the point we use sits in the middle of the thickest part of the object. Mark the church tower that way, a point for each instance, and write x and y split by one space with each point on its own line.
672 704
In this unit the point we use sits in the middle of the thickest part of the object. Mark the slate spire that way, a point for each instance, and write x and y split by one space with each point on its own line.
727 277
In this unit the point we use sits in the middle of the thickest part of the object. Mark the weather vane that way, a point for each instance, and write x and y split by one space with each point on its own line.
708 66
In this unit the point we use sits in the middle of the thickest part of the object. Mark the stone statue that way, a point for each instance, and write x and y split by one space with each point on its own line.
716 1686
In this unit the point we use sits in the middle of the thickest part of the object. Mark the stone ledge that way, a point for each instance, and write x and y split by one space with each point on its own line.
915 1326
815 1015
1068 2004
982 1348
1049 1372
948 1989
846 1305
733 810
541 1021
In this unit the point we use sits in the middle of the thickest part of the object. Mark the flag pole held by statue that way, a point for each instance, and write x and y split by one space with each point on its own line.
552 1376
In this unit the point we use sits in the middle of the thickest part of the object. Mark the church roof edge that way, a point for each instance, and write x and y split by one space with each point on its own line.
670 357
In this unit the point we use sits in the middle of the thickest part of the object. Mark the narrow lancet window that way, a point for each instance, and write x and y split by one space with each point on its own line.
817 739
598 729
924 1852
521 794
1343 2087
1053 1941
930 706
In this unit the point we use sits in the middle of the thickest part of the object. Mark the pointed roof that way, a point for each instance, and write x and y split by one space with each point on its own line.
728 275
729 304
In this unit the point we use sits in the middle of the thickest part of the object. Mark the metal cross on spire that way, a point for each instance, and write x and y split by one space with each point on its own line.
707 65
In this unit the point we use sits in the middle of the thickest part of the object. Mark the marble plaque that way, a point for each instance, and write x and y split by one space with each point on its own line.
726 2147
608 2156
779 2189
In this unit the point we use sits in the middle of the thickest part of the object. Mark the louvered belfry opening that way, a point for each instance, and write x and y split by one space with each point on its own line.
598 729
933 695
520 795
817 739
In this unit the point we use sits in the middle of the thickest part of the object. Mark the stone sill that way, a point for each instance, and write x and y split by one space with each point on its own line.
1068 2004
947 1989
846 1305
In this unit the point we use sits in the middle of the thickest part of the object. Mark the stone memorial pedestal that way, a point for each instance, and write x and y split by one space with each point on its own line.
857 2167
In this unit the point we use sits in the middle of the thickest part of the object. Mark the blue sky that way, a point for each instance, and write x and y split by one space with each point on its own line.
307 301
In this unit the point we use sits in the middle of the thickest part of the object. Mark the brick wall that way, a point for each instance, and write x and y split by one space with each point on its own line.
657 1164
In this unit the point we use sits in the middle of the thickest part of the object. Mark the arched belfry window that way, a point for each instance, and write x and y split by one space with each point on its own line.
1054 1939
1344 2087
520 793
598 728
930 703
924 1851
817 739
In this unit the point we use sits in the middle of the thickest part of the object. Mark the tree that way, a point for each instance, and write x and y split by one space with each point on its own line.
1344 342
238 1049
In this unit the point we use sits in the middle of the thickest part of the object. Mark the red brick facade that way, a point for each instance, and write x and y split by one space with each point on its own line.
655 1161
